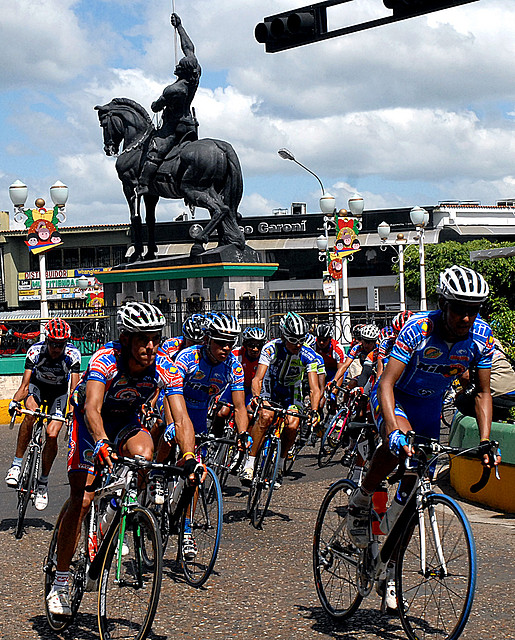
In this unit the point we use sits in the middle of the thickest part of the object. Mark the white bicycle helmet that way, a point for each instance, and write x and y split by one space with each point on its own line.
223 326
254 333
193 328
462 284
139 316
293 327
370 332
310 341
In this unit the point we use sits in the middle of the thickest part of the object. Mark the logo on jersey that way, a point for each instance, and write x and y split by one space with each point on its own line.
199 375
432 353
490 342
445 370
426 326
425 392
214 390
128 393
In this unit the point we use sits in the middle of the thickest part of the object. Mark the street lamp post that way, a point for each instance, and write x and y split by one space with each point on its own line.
18 193
383 231
420 218
327 202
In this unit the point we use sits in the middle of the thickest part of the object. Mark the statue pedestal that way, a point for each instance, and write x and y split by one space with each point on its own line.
221 274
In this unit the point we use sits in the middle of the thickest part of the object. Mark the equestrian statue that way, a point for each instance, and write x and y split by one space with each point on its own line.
171 162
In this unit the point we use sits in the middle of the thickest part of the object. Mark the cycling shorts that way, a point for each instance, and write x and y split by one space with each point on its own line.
55 400
81 444
424 415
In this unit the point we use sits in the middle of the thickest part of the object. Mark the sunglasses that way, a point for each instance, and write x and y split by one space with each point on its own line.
296 343
56 345
253 345
224 343
463 310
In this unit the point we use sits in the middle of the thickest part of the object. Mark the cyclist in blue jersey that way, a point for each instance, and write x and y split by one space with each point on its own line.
120 378
431 350
282 366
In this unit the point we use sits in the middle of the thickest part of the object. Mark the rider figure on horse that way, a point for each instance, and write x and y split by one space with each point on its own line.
178 123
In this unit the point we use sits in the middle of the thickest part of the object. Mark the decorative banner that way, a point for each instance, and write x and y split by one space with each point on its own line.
328 285
347 230
335 268
42 232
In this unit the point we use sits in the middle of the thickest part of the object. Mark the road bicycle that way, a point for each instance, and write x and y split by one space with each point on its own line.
220 448
362 438
429 548
267 461
202 506
29 476
304 436
119 553
335 435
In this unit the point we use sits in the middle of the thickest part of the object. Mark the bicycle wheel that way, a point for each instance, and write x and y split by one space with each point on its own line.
331 438
267 466
335 558
206 527
436 571
26 488
129 588
291 456
77 581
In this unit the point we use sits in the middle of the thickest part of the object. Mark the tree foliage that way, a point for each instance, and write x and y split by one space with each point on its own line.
498 272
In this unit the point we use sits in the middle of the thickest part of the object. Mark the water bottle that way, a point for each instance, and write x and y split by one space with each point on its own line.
108 516
391 516
379 501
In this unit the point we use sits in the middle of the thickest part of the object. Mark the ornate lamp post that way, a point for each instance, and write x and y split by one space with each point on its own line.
42 229
420 218
383 231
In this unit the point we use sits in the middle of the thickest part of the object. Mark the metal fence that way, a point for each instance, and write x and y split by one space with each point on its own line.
91 332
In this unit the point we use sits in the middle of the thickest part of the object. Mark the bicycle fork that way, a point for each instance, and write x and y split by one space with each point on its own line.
436 536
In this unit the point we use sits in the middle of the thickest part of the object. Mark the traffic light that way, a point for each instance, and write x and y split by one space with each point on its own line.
292 28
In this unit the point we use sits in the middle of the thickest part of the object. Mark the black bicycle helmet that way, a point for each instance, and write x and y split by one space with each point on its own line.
256 334
324 331
193 328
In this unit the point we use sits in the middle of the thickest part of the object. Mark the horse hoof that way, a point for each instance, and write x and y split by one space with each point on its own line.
197 249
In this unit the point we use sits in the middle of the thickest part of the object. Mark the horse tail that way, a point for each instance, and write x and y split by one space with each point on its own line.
232 188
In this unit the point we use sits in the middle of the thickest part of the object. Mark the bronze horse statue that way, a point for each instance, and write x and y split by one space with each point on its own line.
204 173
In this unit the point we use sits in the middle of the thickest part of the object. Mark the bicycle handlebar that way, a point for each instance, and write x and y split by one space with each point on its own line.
202 438
38 414
434 447
277 409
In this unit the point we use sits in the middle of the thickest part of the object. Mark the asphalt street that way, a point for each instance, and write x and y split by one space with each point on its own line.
262 586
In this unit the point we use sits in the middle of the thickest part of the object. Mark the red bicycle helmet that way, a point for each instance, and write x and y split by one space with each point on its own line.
400 320
58 329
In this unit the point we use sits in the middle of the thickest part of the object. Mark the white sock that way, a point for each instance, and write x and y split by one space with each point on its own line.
17 462
61 580
250 462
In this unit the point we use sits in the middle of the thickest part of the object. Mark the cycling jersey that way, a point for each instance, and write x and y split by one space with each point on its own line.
332 357
50 376
431 366
197 379
431 363
283 379
385 348
249 366
359 352
124 395
172 346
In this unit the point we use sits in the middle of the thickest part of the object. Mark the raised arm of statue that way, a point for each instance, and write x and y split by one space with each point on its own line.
187 45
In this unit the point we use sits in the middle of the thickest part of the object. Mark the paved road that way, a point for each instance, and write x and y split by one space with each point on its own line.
262 586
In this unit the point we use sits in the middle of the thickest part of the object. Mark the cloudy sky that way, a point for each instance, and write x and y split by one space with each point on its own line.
410 113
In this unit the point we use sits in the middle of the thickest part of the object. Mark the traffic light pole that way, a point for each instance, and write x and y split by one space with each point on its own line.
308 24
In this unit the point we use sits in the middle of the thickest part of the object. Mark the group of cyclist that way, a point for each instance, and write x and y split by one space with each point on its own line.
425 352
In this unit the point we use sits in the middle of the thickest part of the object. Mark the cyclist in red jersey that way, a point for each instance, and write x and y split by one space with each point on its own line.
248 354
